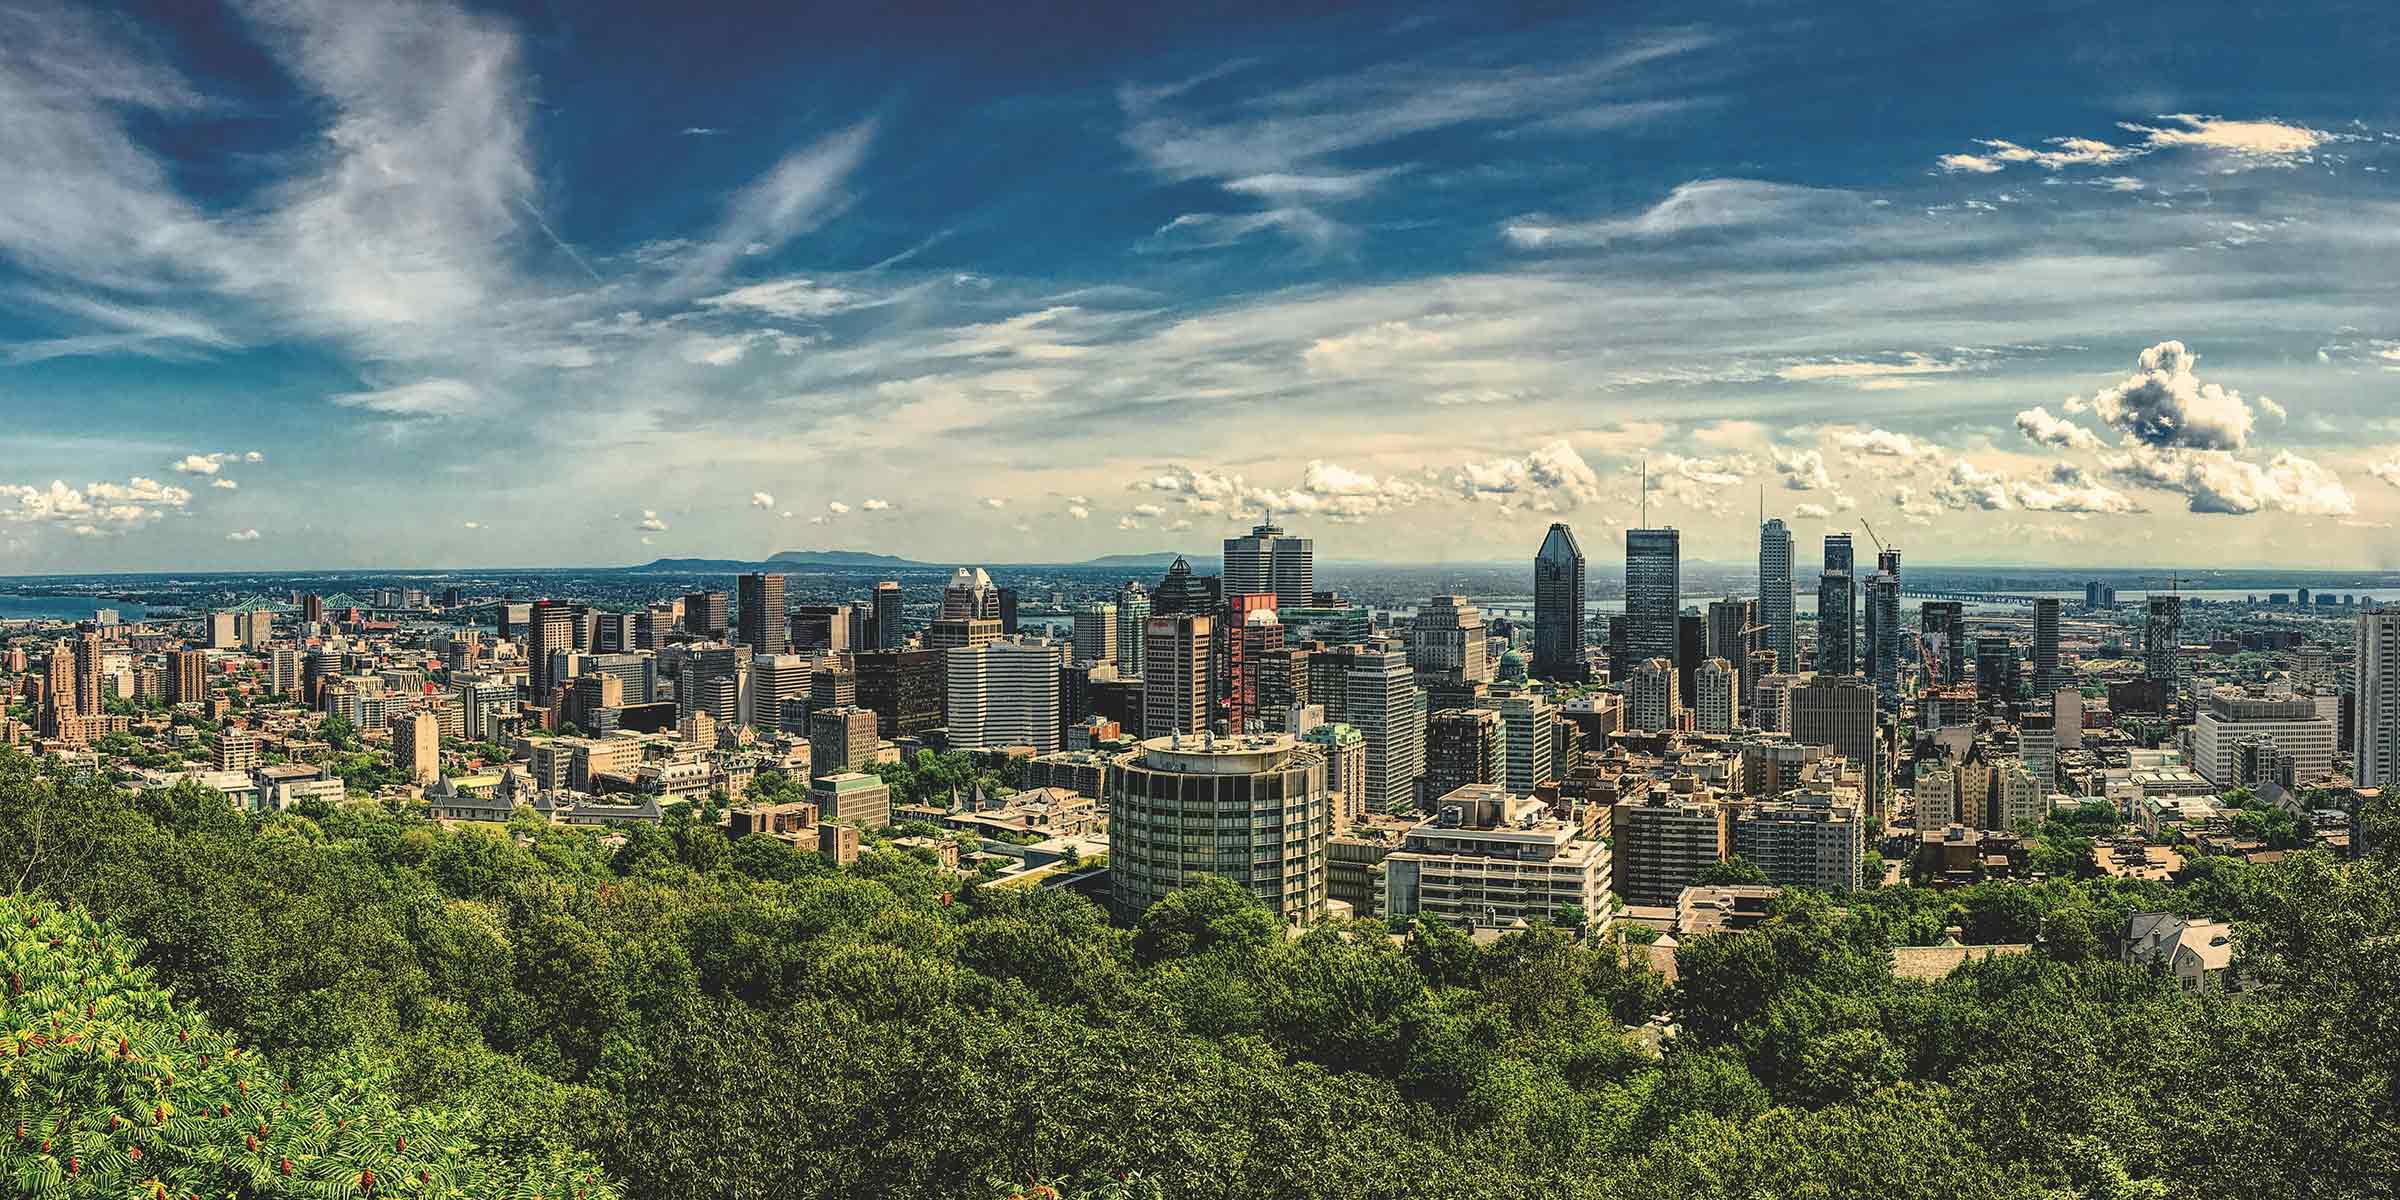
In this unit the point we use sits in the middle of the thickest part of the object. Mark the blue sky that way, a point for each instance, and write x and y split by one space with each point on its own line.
310 284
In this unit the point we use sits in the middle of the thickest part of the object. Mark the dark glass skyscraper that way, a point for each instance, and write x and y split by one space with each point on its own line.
765 626
2046 676
1653 593
1837 609
1558 594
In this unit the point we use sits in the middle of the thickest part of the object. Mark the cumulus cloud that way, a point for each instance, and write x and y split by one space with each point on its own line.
1148 510
1802 470
1812 512
836 507
2387 471
2215 481
224 485
93 509
471 525
1552 478
994 502
650 521
242 535
2164 404
761 500
2267 141
2282 415
873 505
254 456
199 464
1079 512
2038 425
1968 486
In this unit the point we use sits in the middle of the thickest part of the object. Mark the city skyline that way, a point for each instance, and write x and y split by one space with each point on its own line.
301 286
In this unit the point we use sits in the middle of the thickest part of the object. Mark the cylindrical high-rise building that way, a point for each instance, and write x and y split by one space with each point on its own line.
1251 809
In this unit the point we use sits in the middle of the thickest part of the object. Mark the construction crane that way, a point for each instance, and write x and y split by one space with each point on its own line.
1880 548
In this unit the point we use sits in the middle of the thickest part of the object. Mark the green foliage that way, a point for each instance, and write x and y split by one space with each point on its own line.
705 1019
116 1090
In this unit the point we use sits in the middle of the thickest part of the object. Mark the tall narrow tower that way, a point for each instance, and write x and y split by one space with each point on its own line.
1558 597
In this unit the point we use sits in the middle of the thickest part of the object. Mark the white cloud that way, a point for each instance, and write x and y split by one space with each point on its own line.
876 505
761 500
2388 471
1868 374
95 508
426 398
1552 478
798 194
199 464
1701 205
471 525
792 299
836 507
1883 444
2282 415
2267 140
254 456
1812 512
650 521
1148 510
2163 403
225 485
1082 513
1802 470
1976 163
994 502
2040 426
2259 142
2215 481
243 535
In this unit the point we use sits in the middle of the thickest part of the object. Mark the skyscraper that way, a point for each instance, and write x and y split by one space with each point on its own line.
1133 612
1251 634
1004 693
1386 705
1176 657
970 595
1445 643
1883 640
704 614
549 629
1095 633
1713 687
766 627
1653 593
1530 737
1943 625
1775 591
2162 640
1558 597
1651 699
2377 681
2046 675
1268 560
1839 714
889 634
1837 609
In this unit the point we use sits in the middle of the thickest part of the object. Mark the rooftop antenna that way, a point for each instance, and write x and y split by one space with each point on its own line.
1645 493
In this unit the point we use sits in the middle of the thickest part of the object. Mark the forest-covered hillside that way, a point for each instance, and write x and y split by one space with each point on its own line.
688 1017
